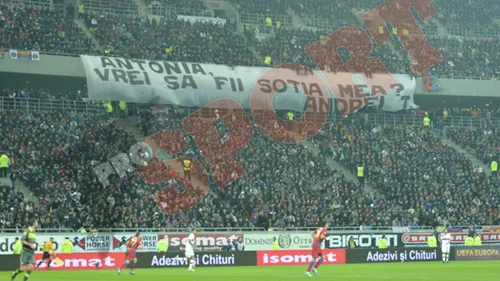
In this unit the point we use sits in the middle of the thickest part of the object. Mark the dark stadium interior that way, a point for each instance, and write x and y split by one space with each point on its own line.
415 175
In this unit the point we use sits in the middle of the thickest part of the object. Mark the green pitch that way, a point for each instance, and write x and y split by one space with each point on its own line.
454 271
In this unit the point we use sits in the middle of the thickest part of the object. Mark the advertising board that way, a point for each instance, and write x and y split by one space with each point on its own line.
204 241
286 241
457 239
204 259
85 243
477 253
394 255
363 240
298 257
82 261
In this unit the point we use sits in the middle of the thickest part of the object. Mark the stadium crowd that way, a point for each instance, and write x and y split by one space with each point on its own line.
416 171
271 193
482 142
288 47
44 30
35 93
421 180
410 177
468 15
170 40
45 149
188 8
118 35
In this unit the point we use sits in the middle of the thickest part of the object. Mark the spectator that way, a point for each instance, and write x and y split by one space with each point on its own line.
4 165
13 174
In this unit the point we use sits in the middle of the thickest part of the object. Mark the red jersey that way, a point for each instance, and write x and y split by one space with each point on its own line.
319 235
134 243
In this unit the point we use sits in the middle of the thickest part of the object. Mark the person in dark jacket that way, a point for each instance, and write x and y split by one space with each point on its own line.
436 234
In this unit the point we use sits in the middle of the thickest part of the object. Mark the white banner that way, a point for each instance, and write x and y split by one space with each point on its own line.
196 85
400 99
286 241
193 19
35 55
400 229
13 54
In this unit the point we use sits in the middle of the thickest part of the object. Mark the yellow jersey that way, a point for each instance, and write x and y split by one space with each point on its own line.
48 246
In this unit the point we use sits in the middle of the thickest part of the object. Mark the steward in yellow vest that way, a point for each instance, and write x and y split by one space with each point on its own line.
432 242
382 242
81 10
361 174
427 121
163 245
494 168
187 168
18 247
4 165
269 22
123 109
276 245
477 241
67 246
469 241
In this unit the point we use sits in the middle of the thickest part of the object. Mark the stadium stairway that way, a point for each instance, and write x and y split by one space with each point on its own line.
20 186
442 31
256 54
336 166
87 32
476 162
359 15
129 124
142 9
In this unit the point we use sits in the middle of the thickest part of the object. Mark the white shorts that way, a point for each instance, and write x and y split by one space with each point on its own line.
189 253
445 249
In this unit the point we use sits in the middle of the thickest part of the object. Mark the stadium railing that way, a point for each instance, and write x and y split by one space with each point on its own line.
260 19
39 230
364 229
392 229
49 105
176 230
473 32
391 119
128 230
126 8
45 4
409 119
323 24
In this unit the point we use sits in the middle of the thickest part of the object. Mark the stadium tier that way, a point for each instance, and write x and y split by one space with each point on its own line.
420 167
173 35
